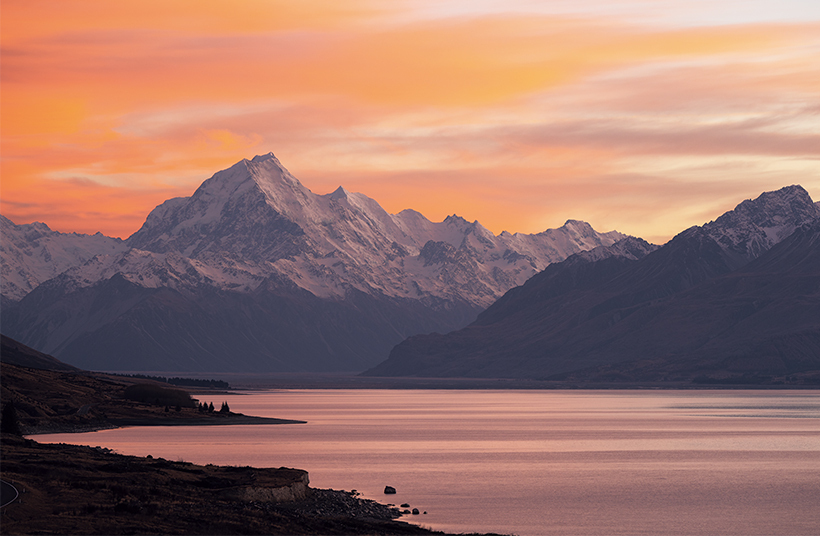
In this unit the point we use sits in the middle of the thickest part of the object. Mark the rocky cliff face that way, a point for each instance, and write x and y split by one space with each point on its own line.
280 493
256 272
740 295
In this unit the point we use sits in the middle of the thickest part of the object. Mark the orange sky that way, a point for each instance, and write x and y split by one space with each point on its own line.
645 117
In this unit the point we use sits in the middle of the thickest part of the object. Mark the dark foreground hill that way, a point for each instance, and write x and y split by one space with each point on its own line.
50 396
727 303
16 353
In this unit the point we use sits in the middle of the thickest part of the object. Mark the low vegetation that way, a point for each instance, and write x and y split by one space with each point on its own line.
182 382
149 393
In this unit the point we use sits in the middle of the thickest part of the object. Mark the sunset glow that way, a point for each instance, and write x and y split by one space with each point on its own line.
645 117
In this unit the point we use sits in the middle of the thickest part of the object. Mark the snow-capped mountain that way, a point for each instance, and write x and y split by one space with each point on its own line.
736 298
255 219
252 237
755 225
33 253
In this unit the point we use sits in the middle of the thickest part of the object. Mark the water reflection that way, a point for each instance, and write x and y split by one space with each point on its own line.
534 462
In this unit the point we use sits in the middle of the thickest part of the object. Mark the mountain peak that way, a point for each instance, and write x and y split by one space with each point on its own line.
786 201
755 225
786 204
339 193
250 194
578 226
263 157
456 219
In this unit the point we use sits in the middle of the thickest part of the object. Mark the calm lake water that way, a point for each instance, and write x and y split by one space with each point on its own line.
532 462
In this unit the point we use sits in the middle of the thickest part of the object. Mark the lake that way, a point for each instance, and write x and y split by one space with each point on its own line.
532 462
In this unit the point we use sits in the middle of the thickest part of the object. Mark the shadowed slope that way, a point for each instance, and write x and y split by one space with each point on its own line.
693 308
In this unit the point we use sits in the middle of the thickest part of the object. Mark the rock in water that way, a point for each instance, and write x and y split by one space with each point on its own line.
389 490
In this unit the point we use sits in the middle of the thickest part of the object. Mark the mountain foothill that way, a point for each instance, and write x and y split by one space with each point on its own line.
256 273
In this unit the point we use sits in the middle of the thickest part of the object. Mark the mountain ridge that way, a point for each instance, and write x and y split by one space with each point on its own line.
584 318
252 236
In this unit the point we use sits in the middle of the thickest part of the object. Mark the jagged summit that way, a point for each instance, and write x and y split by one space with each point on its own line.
733 299
755 225
338 193
252 194
262 172
32 253
579 227
772 209
456 219
263 157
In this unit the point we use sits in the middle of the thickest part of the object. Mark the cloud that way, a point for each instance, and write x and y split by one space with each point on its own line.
514 118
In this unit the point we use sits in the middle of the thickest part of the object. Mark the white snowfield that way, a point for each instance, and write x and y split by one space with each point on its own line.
33 253
255 221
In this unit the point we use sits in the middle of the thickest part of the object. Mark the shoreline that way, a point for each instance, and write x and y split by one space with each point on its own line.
113 424
297 380
73 489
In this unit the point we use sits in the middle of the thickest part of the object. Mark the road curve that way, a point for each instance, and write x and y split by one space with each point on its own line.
8 493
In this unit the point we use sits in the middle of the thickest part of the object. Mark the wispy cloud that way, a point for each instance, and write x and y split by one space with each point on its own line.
641 116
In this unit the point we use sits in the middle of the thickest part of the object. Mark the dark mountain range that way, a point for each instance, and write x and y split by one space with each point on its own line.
735 300
254 272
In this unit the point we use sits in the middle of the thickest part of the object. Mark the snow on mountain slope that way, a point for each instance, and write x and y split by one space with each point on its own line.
164 270
736 296
755 225
33 253
256 218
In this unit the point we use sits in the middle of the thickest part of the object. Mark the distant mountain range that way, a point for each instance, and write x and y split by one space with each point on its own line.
734 301
254 272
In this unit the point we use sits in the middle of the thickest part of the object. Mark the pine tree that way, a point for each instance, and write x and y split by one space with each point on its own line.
211 407
225 408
